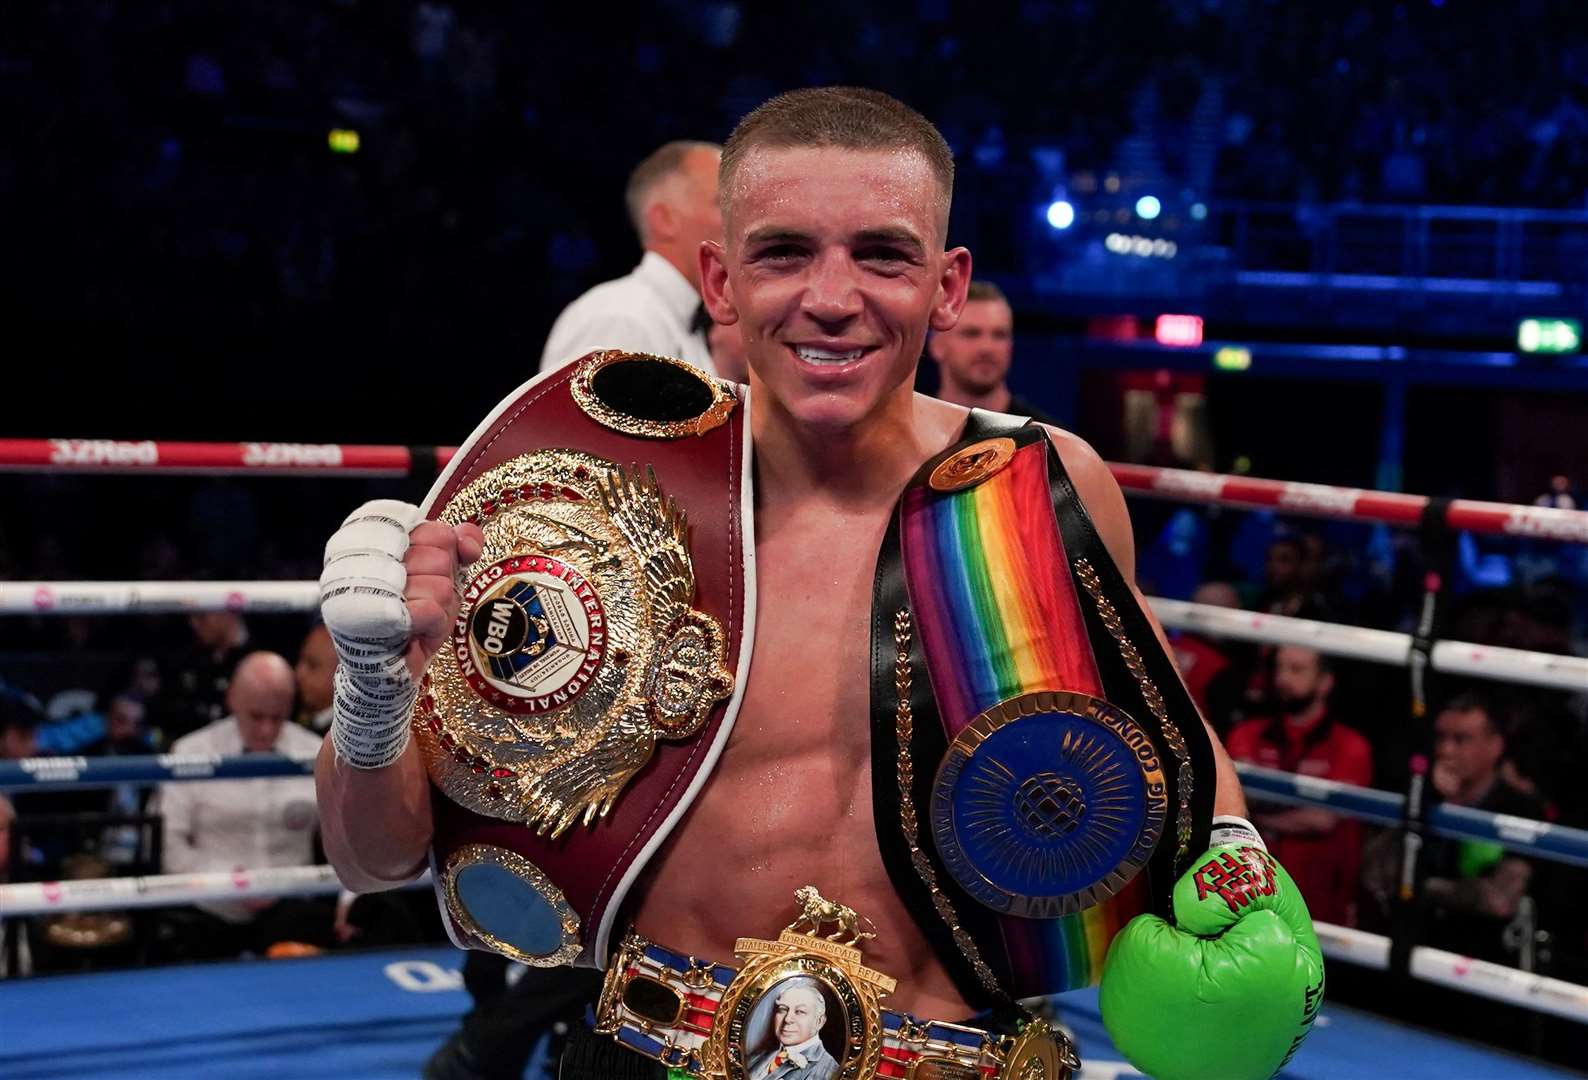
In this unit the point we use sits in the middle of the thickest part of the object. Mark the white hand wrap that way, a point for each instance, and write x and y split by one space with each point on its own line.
1229 829
361 601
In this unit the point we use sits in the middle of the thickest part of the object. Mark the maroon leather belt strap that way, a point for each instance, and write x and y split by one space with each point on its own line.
603 659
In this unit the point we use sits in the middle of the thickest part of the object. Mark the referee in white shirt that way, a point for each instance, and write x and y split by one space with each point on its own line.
672 202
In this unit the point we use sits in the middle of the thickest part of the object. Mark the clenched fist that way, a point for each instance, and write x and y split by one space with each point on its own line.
388 597
435 552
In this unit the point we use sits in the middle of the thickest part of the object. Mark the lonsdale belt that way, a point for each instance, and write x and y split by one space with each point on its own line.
802 1005
1033 749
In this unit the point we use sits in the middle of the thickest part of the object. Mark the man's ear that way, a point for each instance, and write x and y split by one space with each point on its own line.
952 284
715 291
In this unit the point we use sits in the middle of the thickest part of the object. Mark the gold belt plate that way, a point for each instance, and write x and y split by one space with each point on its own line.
575 647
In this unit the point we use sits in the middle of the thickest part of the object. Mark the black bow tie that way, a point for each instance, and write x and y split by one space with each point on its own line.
700 322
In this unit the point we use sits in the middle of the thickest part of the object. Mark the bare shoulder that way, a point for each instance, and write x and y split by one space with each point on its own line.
1094 482
939 422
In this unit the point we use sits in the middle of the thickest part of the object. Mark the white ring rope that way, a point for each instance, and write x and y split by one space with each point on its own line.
1497 982
168 890
155 597
1334 639
1377 646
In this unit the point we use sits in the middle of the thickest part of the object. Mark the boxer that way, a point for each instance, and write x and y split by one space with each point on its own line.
834 266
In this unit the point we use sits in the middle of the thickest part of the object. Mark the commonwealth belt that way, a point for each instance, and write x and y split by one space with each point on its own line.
1043 775
589 680
802 1005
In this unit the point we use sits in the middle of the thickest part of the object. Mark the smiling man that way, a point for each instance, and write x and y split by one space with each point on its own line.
835 266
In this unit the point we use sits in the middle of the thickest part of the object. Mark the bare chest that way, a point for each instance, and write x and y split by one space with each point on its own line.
789 803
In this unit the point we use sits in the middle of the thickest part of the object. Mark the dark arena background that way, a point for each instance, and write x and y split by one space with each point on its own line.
1341 247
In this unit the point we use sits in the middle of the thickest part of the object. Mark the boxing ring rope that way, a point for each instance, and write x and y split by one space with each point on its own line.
151 456
1541 993
165 890
1540 839
1335 639
1495 981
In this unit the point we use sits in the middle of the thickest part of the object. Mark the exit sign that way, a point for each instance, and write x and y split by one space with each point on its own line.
1549 335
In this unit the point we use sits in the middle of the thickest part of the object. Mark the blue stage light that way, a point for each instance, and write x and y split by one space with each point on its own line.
1147 207
1061 215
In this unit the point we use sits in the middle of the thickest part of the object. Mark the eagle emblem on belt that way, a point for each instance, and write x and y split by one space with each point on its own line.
575 647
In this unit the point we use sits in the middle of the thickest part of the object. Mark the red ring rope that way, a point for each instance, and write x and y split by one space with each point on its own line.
282 459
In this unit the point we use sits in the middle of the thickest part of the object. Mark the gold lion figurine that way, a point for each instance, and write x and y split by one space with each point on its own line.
816 911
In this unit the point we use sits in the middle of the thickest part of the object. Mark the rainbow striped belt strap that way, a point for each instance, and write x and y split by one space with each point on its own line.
1042 809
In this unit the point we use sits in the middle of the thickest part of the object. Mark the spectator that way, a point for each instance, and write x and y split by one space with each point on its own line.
49 838
1474 888
126 728
1559 495
1208 665
8 818
728 354
1321 850
196 693
672 201
974 358
246 824
315 667
19 723
1289 574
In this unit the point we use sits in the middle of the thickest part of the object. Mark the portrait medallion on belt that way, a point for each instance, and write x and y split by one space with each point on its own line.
802 994
803 1007
1048 803
575 646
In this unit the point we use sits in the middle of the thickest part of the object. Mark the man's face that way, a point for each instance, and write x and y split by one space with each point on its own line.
798 1016
214 629
261 710
1466 743
1283 568
124 720
1298 678
17 743
834 269
316 664
976 354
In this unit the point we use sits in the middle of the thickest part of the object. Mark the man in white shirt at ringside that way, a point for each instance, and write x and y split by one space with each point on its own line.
229 825
672 203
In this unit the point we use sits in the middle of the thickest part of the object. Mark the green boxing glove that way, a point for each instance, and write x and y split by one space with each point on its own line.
1228 993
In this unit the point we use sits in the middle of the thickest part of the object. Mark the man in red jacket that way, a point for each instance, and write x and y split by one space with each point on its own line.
1322 851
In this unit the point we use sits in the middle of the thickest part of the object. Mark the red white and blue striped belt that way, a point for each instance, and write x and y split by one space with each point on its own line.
711 1020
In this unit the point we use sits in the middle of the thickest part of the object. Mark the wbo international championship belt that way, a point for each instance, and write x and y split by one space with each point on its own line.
587 683
1040 776
803 1005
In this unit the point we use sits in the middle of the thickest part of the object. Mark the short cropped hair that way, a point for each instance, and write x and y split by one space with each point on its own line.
984 290
1474 701
663 162
848 117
